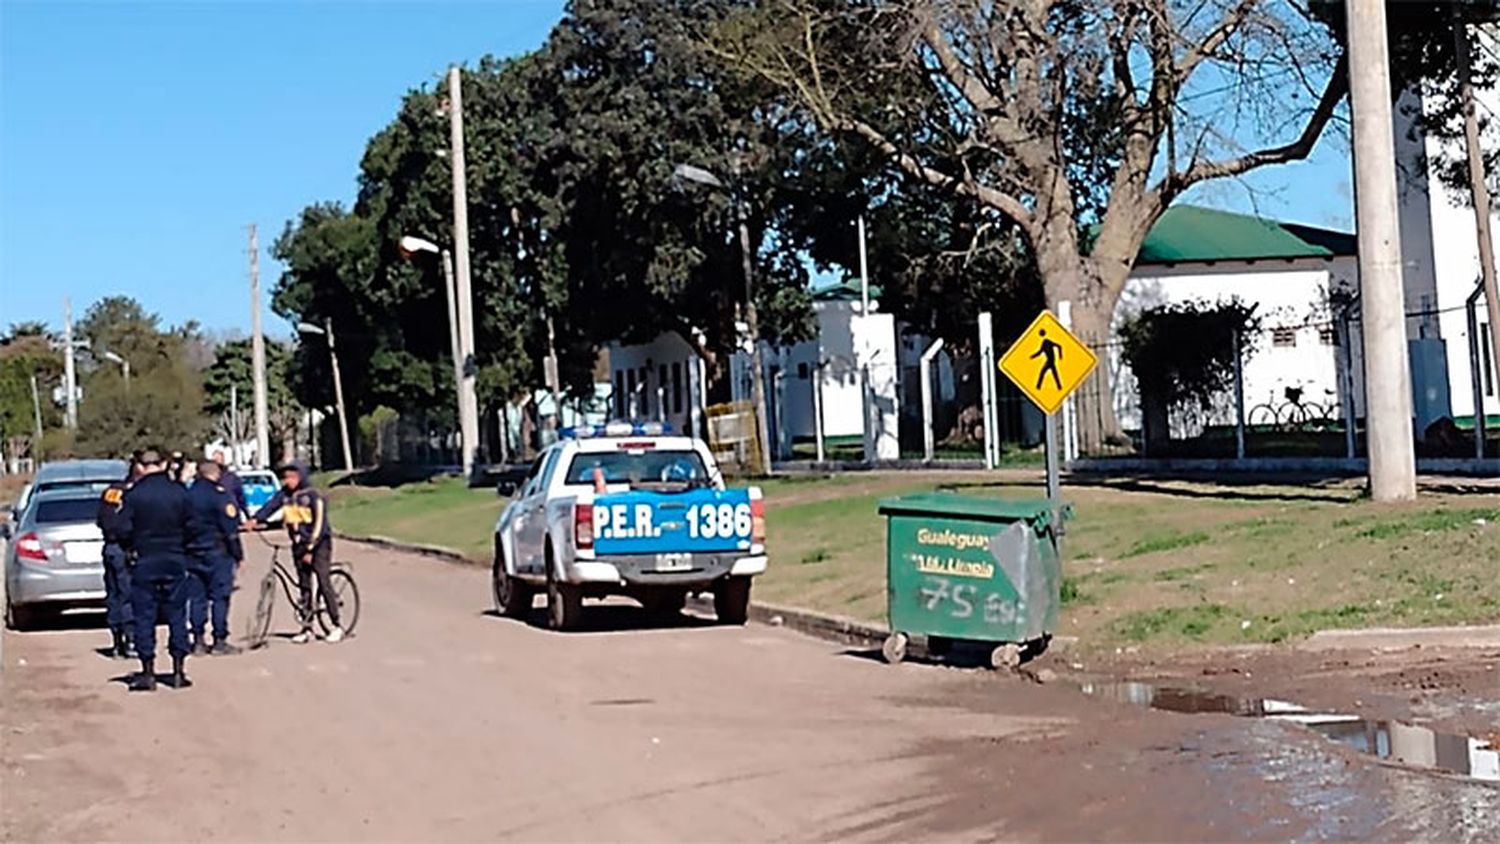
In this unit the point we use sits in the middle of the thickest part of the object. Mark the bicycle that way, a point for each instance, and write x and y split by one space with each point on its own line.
344 589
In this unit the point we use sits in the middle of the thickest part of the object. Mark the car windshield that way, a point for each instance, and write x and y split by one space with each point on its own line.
96 486
61 510
646 467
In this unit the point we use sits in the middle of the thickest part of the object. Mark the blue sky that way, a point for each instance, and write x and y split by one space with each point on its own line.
137 140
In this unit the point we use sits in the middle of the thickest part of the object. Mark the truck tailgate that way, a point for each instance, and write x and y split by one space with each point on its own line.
703 520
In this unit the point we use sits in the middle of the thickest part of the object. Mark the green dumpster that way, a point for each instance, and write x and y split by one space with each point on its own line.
961 568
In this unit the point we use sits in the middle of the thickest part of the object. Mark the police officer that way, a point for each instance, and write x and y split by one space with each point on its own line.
155 519
117 562
231 482
213 552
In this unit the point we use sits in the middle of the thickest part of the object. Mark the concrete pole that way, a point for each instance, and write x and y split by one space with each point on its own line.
234 422
1476 373
258 360
338 396
1479 191
1239 395
468 400
1388 370
36 410
454 347
70 370
928 435
864 272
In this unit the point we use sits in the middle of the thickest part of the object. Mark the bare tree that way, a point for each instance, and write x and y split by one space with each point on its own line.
1078 120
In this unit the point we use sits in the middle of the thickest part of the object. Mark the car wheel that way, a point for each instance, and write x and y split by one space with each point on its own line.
512 596
19 618
732 600
564 601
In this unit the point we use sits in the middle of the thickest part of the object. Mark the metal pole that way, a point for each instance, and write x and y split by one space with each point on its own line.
1239 396
864 412
1346 341
1480 192
1070 404
1388 370
258 359
70 372
338 396
554 381
1054 482
928 435
453 332
864 273
126 364
817 398
234 422
1476 373
987 388
468 401
752 323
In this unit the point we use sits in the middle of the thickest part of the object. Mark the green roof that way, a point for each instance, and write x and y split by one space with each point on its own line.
1189 233
843 291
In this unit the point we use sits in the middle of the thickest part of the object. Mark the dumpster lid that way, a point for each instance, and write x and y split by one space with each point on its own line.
972 506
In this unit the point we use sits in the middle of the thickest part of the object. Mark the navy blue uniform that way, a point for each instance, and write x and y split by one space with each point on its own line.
156 517
236 489
213 550
116 560
305 513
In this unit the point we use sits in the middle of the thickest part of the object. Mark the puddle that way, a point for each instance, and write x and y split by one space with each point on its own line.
1394 741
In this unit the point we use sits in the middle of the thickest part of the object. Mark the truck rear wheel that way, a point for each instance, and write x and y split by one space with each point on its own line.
732 600
512 595
564 601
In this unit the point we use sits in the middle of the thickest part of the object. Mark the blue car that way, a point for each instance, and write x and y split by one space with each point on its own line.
259 485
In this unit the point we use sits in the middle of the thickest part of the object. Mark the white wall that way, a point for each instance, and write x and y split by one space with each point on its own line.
1456 252
660 381
1290 294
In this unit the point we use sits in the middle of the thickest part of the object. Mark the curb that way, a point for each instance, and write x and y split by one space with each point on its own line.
1402 638
834 628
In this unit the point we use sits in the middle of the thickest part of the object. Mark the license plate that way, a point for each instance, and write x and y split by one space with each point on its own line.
674 562
84 553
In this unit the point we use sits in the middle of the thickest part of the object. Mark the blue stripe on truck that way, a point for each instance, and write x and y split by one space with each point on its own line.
704 520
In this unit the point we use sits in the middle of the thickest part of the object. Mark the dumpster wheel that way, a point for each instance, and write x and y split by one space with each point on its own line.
1006 657
894 649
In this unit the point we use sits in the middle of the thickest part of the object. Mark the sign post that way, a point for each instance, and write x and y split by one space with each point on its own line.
1048 363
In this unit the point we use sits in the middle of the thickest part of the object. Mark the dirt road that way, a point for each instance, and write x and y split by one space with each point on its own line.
438 721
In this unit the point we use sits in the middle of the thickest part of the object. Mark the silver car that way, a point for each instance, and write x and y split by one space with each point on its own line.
55 558
71 474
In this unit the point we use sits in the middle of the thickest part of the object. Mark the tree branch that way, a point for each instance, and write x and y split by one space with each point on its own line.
1333 93
1215 38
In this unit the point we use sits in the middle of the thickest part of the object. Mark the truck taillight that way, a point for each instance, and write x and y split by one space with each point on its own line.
758 521
29 547
583 525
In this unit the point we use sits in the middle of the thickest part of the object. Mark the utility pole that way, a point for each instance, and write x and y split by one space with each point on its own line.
258 359
454 344
338 396
468 401
70 371
864 272
36 411
752 324
234 423
1388 370
1479 190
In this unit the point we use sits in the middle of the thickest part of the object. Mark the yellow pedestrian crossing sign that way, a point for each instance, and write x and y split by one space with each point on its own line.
1047 362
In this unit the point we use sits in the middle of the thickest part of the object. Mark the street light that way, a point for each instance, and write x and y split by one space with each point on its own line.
463 380
124 365
691 173
338 384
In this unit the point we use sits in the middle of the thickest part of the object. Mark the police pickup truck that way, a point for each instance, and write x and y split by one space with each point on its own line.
627 509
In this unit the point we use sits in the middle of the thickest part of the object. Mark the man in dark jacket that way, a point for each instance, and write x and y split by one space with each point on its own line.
154 521
305 513
117 562
231 482
213 552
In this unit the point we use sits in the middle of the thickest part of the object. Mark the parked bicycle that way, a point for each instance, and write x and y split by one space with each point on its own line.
1294 414
345 590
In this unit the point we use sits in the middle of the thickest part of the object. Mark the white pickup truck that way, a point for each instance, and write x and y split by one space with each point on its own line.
627 509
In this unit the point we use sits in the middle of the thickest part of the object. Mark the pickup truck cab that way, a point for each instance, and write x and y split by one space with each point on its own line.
627 509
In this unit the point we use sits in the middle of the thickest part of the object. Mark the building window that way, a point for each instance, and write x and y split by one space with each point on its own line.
619 394
1284 337
677 387
1328 335
1489 363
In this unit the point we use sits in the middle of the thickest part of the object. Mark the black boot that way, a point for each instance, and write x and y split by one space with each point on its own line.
126 649
223 648
200 647
117 651
146 680
179 680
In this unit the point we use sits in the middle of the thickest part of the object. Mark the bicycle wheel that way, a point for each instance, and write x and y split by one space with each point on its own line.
259 626
347 595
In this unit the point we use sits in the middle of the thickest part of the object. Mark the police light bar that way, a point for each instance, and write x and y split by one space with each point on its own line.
616 429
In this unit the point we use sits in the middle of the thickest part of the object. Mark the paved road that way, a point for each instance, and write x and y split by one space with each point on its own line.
438 721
